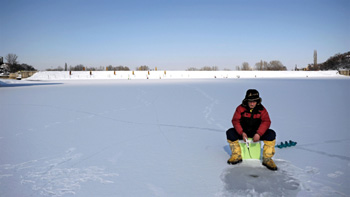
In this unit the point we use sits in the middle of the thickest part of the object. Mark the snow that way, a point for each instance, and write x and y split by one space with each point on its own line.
140 137
79 75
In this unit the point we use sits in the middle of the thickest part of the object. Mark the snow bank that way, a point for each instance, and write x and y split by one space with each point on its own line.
65 75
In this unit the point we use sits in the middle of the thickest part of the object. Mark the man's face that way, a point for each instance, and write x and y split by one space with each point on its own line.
252 104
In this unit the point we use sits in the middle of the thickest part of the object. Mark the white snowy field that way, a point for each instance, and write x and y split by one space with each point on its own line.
167 137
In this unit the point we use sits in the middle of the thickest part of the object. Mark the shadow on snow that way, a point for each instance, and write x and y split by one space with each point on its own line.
3 84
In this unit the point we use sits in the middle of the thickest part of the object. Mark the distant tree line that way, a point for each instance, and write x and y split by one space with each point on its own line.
15 66
205 68
118 68
55 69
336 62
263 65
272 65
81 67
144 67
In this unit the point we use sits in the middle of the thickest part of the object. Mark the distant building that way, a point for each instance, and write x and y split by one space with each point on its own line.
4 70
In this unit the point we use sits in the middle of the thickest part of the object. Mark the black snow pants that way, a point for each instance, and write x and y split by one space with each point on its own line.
232 135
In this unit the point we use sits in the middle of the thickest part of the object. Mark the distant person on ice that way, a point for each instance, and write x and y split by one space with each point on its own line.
251 120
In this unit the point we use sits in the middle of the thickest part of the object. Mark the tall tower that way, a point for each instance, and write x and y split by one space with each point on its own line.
315 58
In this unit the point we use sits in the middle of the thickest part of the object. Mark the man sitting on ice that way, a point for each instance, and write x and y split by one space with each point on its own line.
251 120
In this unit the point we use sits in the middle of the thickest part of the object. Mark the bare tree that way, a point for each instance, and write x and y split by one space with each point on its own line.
122 68
192 69
11 59
208 68
245 66
59 68
258 66
78 67
276 65
262 65
205 68
110 67
215 68
143 68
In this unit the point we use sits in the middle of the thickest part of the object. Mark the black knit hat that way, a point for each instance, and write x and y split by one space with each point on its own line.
252 95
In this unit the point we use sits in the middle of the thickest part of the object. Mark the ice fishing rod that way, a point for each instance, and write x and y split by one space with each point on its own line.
247 144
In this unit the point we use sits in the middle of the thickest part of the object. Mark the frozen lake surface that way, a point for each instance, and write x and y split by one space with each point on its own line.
167 138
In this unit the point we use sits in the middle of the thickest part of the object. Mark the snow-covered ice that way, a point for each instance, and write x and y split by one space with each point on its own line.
167 137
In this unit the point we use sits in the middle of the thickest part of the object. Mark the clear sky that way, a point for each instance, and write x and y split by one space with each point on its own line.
173 35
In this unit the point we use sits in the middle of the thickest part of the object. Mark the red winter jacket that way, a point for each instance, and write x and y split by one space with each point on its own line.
257 121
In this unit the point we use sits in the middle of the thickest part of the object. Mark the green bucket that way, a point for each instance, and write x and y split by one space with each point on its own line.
254 149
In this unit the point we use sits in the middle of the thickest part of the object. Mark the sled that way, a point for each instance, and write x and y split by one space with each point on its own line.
254 151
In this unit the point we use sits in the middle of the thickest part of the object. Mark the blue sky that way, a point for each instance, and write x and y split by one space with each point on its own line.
173 35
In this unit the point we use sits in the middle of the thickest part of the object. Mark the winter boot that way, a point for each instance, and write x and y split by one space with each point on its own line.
236 156
268 152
